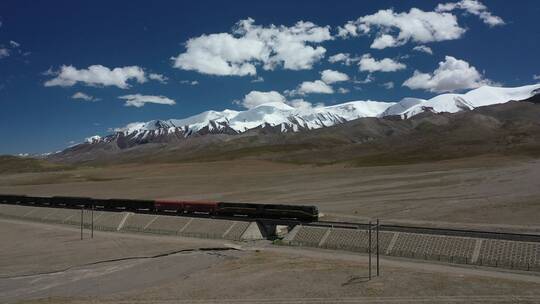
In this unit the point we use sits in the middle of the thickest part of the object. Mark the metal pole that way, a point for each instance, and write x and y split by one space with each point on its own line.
92 231
377 233
82 210
369 249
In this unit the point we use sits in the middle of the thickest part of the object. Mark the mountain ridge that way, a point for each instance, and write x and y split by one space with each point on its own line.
280 117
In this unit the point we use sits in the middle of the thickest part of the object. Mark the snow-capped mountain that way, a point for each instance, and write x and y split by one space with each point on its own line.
276 116
281 117
483 96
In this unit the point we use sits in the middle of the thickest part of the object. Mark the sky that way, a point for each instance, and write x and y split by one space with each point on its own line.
73 69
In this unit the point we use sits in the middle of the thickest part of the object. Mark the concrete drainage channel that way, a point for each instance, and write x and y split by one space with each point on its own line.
504 253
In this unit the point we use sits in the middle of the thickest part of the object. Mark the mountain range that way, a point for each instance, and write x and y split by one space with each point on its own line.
278 118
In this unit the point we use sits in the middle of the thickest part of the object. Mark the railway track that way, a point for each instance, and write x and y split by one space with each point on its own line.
383 227
435 231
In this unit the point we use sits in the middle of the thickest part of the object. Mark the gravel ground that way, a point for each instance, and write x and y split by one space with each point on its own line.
476 191
42 263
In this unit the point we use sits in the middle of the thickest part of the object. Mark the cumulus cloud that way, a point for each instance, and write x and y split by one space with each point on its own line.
370 64
388 85
451 75
84 96
343 90
369 78
473 7
344 58
14 44
158 77
423 49
331 76
258 79
138 100
317 86
301 104
312 87
4 53
97 75
255 98
322 86
394 29
239 52
352 29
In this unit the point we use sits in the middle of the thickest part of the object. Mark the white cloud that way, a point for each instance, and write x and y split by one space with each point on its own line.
14 44
84 96
370 64
255 98
302 104
424 49
451 75
388 85
352 29
343 91
4 53
249 45
258 79
319 86
473 7
158 77
536 77
189 82
97 75
331 76
49 72
138 100
369 78
313 87
344 58
394 29
384 41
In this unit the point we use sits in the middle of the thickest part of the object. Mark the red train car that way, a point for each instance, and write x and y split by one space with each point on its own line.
186 206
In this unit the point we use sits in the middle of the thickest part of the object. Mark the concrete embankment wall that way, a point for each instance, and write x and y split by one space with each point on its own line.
453 249
133 222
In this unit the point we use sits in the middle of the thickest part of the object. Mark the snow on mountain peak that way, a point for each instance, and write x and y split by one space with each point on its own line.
451 103
288 118
93 139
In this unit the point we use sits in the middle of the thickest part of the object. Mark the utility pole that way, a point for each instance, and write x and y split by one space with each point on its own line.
369 249
92 231
82 217
377 233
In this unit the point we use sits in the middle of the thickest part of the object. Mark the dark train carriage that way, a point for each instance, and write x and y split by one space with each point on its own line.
168 206
200 207
240 209
71 201
12 199
304 213
186 207
36 200
129 204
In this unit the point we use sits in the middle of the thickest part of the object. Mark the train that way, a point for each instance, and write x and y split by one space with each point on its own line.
208 208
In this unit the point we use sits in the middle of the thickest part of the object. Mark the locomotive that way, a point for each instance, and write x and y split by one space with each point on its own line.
209 208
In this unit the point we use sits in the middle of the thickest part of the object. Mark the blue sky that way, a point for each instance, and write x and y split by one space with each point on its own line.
472 43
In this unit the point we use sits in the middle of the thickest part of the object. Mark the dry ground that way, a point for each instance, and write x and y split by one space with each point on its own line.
48 264
504 192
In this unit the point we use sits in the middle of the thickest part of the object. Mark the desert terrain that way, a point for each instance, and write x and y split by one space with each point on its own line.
488 191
